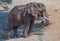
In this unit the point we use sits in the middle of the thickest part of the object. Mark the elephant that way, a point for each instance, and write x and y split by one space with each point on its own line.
25 14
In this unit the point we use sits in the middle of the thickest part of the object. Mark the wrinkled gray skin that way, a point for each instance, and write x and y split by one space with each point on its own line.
25 14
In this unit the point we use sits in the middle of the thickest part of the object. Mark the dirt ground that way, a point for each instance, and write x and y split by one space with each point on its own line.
52 32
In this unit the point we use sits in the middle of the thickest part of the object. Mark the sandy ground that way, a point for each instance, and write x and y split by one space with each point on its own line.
51 32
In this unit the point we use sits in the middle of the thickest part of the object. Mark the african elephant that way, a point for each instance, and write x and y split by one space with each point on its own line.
25 14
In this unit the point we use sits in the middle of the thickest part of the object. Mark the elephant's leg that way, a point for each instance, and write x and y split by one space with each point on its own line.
31 23
15 31
27 26
8 33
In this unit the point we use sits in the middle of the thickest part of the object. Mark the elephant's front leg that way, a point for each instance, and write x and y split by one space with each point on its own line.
29 22
26 30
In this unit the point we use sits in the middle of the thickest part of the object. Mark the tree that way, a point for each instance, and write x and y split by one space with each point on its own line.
5 3
8 1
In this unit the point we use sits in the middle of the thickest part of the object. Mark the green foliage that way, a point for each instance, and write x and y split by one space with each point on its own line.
5 3
8 1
